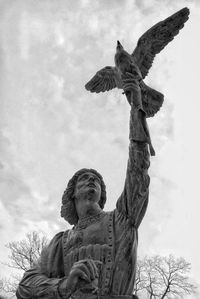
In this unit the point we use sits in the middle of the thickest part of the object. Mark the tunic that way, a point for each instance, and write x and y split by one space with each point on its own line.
110 237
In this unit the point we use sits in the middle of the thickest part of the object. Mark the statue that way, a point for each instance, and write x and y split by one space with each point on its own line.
97 257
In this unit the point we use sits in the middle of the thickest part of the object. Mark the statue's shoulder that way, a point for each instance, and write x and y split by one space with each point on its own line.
56 239
50 254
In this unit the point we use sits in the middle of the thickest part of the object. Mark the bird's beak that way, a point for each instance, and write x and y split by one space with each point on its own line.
119 46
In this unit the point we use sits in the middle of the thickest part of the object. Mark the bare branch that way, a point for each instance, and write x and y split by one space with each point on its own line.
23 255
163 277
26 252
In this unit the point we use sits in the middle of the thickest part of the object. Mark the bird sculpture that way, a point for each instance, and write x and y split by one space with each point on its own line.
139 62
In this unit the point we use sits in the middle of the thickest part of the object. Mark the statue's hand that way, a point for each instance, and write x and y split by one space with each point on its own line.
131 85
130 82
135 72
82 274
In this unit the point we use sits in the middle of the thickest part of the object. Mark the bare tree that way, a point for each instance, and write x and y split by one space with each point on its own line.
159 277
2 291
9 285
26 252
23 255
140 280
163 277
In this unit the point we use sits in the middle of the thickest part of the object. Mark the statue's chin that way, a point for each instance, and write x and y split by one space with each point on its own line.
90 192
91 195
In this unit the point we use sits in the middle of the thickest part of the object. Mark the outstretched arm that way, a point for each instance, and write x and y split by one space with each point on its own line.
134 198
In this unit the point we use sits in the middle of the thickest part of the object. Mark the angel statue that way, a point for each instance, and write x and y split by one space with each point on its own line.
138 63
96 258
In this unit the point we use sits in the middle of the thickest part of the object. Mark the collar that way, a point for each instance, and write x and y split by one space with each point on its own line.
86 221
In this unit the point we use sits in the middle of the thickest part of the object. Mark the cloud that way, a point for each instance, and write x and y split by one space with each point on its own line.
47 114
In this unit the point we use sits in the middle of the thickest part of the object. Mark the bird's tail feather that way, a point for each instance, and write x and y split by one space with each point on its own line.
152 99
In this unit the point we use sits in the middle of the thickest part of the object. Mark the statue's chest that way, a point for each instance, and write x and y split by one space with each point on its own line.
91 235
92 242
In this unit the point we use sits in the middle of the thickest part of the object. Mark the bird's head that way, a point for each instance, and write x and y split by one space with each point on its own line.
119 46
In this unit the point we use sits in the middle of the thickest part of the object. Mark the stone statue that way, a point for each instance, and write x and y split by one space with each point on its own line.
139 63
97 257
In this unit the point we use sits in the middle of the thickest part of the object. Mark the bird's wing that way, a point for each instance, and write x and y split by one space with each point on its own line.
104 80
152 100
156 38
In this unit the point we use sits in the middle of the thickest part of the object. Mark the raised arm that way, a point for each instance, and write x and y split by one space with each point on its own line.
134 198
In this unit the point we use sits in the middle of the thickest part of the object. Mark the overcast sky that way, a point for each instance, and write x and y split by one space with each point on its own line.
50 126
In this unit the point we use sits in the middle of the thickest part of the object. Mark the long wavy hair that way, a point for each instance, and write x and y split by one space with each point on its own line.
68 208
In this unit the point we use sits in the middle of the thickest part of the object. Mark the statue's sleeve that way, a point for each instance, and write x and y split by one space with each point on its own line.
42 280
37 285
134 199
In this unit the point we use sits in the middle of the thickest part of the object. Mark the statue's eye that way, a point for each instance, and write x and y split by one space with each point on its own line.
97 180
83 177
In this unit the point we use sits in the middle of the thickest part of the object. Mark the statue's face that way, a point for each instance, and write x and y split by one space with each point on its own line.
88 188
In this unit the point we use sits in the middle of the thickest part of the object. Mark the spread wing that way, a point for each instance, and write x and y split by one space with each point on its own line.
156 38
152 100
104 80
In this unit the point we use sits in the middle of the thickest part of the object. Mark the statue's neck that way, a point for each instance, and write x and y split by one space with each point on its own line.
90 219
92 210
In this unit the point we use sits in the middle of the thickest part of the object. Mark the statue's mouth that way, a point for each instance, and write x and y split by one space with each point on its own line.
92 185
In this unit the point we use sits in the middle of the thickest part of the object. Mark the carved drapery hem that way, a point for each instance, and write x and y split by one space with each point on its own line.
96 296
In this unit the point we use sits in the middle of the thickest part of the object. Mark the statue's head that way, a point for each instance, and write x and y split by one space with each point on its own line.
68 208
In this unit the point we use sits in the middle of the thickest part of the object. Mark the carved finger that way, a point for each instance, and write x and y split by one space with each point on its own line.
91 267
98 267
81 274
129 75
96 264
130 81
134 76
83 267
135 82
134 73
129 87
